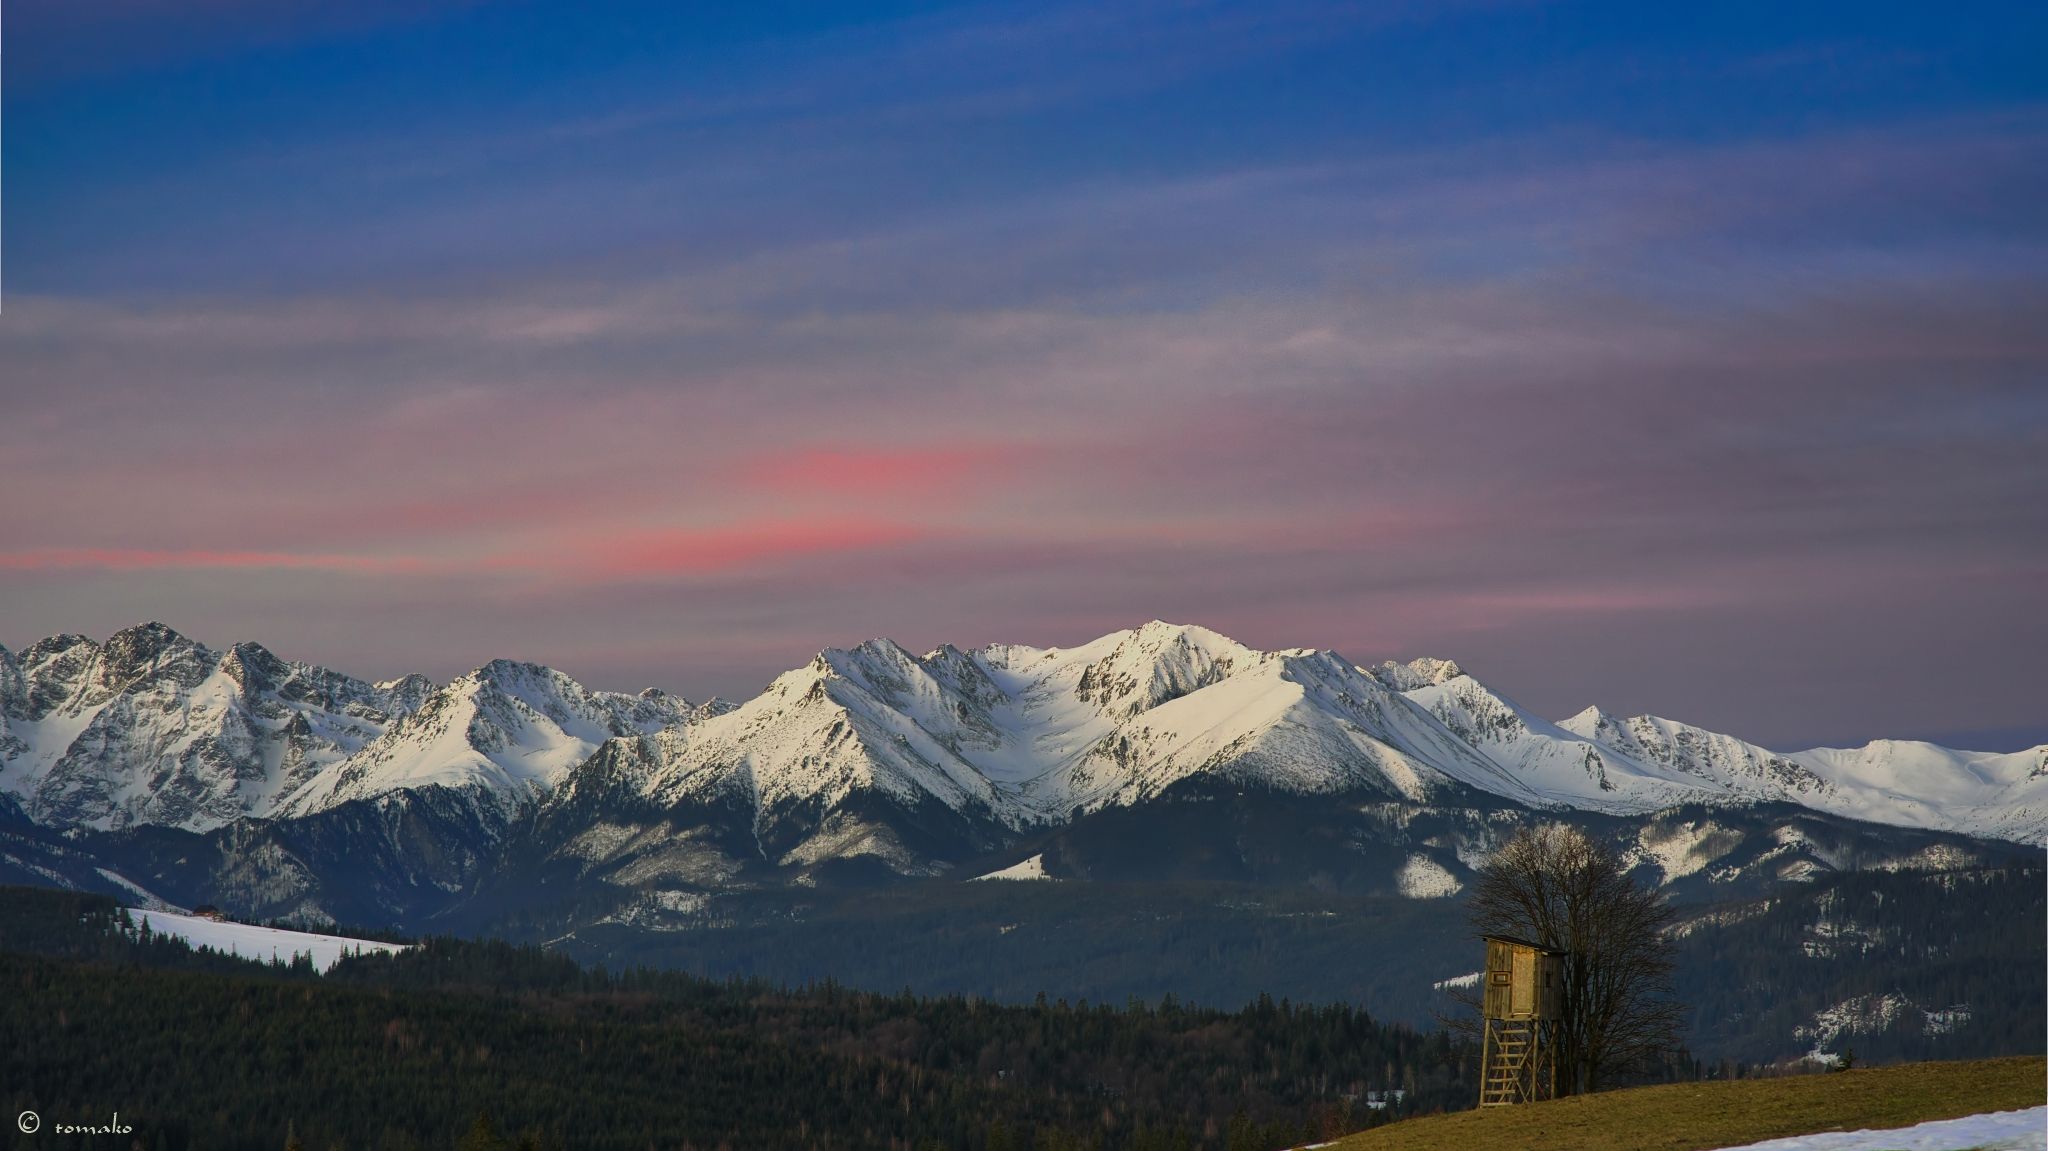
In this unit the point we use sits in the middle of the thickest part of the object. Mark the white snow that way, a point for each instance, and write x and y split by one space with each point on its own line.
1028 736
1993 1131
191 738
1469 979
1873 1014
1912 784
1424 878
503 732
260 943
1558 765
1677 850
1018 735
1033 868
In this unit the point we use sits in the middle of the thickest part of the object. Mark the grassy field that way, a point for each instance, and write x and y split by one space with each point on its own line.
1693 1116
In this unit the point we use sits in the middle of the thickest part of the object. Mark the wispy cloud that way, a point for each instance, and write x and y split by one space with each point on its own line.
703 379
682 551
139 560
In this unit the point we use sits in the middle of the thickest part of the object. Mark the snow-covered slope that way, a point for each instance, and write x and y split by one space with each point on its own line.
875 752
2025 1130
1026 735
1899 782
1132 714
152 727
155 728
1741 768
1596 761
504 732
1911 784
265 944
865 750
1558 765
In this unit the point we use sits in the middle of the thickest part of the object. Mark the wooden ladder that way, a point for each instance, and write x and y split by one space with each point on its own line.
1506 1079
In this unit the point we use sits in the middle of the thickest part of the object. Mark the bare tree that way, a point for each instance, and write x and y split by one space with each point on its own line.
1557 886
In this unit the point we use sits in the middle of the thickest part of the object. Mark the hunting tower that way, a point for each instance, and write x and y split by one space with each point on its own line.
1524 984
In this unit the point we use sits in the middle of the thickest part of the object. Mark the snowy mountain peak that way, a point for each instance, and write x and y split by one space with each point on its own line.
148 649
132 646
1587 721
253 667
1737 765
152 727
1158 663
496 735
1416 673
405 694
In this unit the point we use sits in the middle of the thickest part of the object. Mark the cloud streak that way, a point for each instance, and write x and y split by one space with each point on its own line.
686 387
704 551
137 560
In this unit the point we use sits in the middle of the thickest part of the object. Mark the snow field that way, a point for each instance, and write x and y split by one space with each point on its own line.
259 943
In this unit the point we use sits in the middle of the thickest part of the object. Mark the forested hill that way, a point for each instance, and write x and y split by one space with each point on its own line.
408 1051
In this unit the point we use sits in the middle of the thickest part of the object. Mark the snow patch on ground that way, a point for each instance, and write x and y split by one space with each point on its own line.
600 841
1871 1015
1944 1022
259 943
1677 850
1033 868
1424 878
1801 871
847 838
1935 857
1718 917
665 911
1994 1131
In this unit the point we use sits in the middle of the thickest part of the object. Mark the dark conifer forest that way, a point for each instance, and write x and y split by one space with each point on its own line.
478 1045
462 1043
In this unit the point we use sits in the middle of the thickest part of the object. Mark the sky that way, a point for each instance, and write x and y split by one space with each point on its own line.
1680 359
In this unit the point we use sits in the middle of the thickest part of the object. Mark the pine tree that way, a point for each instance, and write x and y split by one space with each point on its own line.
483 1136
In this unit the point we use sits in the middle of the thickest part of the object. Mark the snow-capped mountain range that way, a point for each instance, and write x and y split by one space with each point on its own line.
153 729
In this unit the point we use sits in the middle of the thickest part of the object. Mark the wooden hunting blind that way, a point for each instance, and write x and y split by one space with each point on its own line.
1524 999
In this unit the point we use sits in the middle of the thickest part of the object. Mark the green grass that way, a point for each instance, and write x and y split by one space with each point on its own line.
1729 1113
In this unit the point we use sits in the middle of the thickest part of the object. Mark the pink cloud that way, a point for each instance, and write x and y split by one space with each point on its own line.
879 470
141 559
708 551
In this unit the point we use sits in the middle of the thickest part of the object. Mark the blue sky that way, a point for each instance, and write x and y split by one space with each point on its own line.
1685 359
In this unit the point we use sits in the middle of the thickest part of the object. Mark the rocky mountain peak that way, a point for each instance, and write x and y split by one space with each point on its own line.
1416 673
1158 663
406 694
252 666
1004 736
136 651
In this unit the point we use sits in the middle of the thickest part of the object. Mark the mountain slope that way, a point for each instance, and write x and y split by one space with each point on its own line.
1556 765
1130 716
503 733
865 750
1897 782
1912 784
1009 738
154 728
